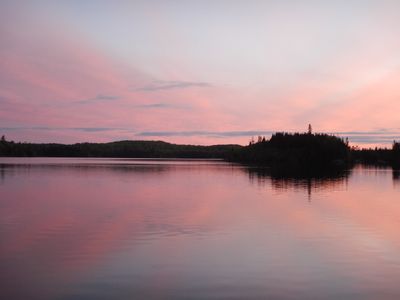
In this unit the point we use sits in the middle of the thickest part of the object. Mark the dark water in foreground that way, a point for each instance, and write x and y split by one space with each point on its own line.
144 229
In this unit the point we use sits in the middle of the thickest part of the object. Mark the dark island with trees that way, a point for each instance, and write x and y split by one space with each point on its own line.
285 151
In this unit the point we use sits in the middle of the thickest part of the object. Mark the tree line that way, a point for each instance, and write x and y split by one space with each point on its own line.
283 150
378 156
128 149
296 151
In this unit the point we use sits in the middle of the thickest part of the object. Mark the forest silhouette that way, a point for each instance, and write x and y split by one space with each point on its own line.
283 151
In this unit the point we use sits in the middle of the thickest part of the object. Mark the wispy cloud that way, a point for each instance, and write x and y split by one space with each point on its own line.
5 100
94 129
98 98
81 129
162 105
379 132
374 139
359 137
204 133
168 85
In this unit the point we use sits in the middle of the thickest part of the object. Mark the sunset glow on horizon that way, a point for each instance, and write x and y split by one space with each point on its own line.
199 72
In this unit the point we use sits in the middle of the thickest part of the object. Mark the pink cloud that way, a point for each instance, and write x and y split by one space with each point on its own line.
69 84
54 79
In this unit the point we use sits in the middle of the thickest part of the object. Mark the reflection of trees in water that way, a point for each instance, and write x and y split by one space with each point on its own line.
278 180
134 168
396 177
2 174
7 170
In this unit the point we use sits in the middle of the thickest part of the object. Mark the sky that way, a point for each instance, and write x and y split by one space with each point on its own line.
199 72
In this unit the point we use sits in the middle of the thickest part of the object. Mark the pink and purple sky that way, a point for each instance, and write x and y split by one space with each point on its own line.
201 72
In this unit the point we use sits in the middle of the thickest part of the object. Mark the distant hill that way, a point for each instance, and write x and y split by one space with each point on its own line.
129 149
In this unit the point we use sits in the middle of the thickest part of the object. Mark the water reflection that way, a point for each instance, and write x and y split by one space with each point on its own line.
11 167
396 177
57 221
2 174
196 231
311 182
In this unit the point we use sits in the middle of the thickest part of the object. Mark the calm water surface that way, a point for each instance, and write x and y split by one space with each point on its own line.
182 229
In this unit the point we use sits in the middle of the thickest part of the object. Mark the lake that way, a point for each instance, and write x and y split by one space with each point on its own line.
194 229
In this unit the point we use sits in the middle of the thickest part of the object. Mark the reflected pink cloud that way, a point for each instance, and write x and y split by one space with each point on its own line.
109 213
